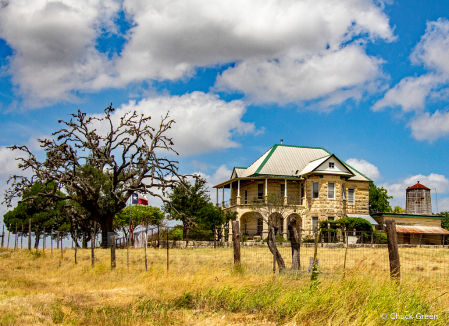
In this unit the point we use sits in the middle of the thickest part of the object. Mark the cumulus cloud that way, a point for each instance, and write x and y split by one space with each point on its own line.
365 167
54 45
412 94
203 122
443 204
292 79
55 51
220 175
430 127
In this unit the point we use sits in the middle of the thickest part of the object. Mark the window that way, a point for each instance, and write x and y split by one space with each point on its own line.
331 218
282 190
331 165
302 193
331 190
314 222
351 197
260 191
259 226
315 189
246 196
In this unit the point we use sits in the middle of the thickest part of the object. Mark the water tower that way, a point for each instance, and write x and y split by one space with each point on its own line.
418 200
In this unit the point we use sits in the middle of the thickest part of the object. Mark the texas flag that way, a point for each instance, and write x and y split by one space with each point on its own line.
139 199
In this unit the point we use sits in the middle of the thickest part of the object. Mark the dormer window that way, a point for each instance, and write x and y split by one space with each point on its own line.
331 165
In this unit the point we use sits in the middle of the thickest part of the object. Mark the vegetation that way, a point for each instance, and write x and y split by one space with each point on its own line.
139 215
445 222
99 162
43 289
378 199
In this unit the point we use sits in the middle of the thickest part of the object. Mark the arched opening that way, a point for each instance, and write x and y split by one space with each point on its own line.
251 224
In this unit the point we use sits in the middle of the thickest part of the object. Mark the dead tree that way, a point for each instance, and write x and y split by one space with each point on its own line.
97 172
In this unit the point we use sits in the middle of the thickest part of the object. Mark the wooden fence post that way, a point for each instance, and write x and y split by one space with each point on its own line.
329 233
43 241
393 251
168 255
113 261
51 241
76 249
215 237
9 234
158 232
21 238
146 244
62 248
29 234
420 240
92 248
372 239
15 239
3 235
236 241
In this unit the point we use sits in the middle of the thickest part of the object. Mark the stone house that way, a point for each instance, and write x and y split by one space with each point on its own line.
309 177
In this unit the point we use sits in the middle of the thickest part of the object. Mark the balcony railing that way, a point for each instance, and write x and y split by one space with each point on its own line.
233 201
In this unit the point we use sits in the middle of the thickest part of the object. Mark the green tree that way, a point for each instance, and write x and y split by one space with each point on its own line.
186 202
140 215
445 222
43 213
398 210
378 199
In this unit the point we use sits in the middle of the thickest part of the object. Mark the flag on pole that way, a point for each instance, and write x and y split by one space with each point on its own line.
139 199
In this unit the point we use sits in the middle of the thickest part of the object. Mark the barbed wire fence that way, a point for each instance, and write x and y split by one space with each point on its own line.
168 248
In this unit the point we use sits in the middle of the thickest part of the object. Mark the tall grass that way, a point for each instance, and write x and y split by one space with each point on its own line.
37 288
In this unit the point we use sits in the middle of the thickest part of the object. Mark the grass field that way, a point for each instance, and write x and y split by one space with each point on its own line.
203 288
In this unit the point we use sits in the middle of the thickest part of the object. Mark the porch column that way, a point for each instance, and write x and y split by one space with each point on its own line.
285 228
217 197
238 192
222 201
285 195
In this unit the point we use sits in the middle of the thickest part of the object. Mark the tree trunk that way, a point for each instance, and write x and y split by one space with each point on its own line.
187 237
106 227
274 250
36 240
84 240
295 244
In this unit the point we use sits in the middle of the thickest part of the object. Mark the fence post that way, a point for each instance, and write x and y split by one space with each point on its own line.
151 238
168 257
15 239
29 234
36 238
420 240
113 261
146 244
9 234
92 248
158 242
62 248
236 241
329 233
76 249
3 235
51 241
215 237
393 251
43 241
21 239
372 239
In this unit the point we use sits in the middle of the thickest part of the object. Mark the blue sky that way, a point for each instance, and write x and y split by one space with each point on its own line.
367 80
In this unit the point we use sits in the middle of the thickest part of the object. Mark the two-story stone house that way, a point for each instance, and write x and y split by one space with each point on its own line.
311 177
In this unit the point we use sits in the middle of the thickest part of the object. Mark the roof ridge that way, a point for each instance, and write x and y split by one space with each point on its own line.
357 171
303 147
272 149
320 158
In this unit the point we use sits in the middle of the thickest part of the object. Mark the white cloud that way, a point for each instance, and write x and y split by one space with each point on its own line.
443 205
410 93
55 51
302 77
365 167
54 45
203 122
413 93
220 175
430 127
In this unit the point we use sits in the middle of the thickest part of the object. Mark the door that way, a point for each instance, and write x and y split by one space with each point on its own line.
406 238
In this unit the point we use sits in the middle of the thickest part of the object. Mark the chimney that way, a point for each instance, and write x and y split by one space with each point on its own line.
282 141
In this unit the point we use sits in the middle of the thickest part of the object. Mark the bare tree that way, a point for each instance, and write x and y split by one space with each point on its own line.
274 209
97 172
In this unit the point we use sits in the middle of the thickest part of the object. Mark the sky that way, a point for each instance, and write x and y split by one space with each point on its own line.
366 80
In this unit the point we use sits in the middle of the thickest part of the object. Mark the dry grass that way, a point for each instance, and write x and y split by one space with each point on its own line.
202 288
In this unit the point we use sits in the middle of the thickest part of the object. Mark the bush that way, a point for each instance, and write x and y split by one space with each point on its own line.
175 234
245 238
380 237
279 238
308 239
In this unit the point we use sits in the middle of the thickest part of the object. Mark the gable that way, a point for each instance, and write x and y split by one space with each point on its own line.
338 168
